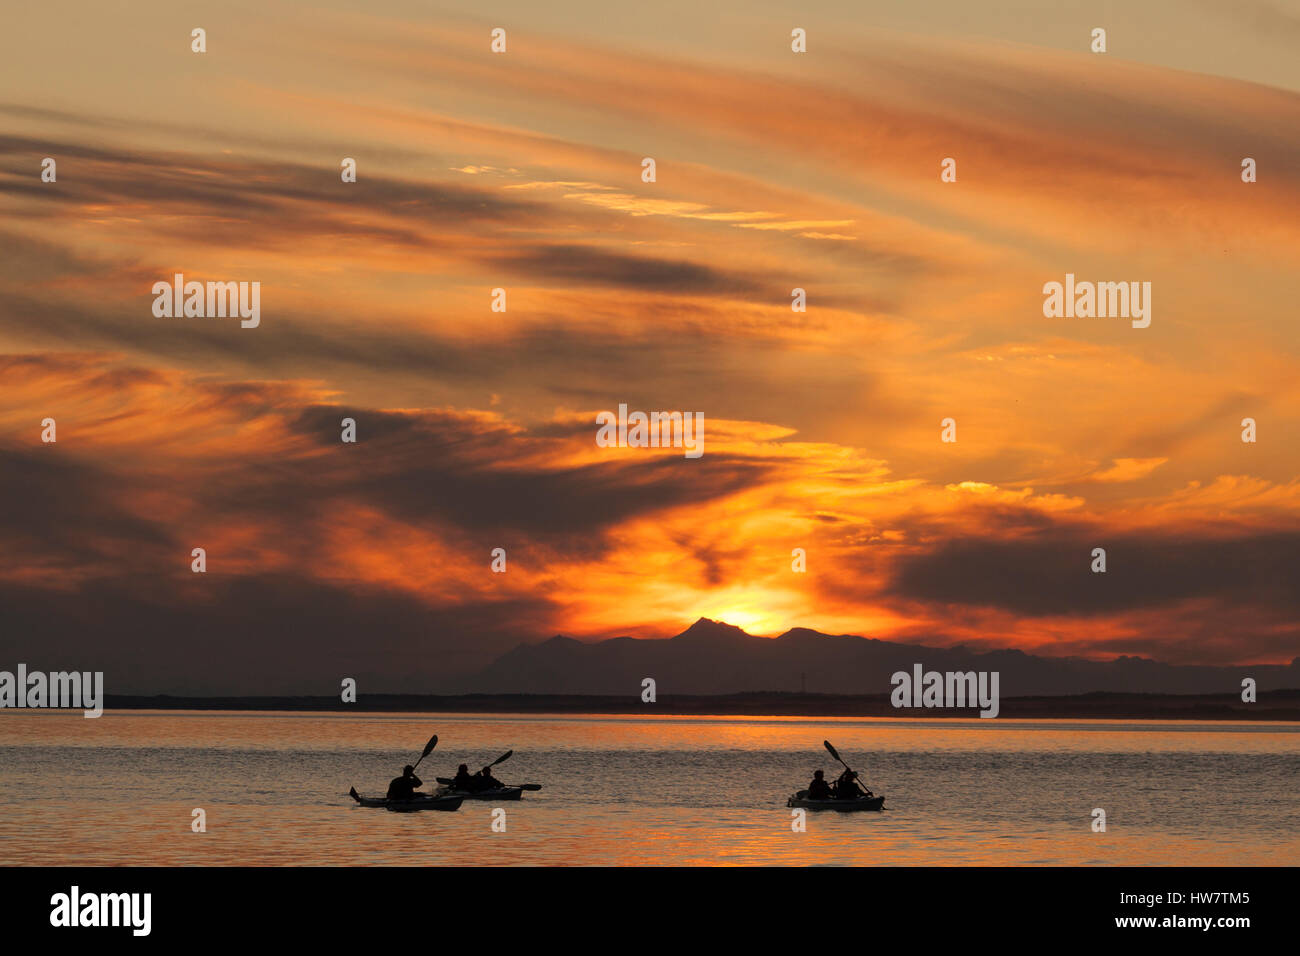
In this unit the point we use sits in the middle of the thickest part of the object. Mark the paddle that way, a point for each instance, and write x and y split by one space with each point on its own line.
504 757
836 755
428 749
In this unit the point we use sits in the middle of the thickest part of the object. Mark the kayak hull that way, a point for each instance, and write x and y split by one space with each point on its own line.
440 802
503 793
802 801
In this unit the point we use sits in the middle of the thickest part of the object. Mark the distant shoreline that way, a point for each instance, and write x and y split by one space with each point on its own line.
1278 705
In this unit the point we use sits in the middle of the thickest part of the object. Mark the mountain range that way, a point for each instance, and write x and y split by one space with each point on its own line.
711 657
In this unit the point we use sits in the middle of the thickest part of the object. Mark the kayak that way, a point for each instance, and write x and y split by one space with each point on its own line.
500 793
421 802
802 800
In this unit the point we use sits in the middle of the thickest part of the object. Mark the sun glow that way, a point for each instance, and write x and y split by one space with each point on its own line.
746 618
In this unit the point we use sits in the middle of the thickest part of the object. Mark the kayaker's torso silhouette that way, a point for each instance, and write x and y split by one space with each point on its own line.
819 789
403 787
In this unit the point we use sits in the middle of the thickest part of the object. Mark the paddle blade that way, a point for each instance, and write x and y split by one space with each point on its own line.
444 780
428 748
529 786
504 757
832 750
353 794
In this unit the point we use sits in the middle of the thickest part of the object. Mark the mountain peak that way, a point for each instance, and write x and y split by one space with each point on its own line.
800 633
707 629
561 639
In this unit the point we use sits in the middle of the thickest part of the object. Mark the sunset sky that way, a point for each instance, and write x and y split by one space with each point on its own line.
476 429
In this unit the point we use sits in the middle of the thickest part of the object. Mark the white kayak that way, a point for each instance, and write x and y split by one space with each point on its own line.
802 800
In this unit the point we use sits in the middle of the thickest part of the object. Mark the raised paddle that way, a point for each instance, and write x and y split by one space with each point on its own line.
428 749
504 757
836 755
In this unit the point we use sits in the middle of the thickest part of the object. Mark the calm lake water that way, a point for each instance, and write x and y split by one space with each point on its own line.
632 790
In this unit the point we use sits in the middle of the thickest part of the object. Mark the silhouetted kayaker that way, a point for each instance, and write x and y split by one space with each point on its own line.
463 780
819 789
484 780
846 787
403 787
